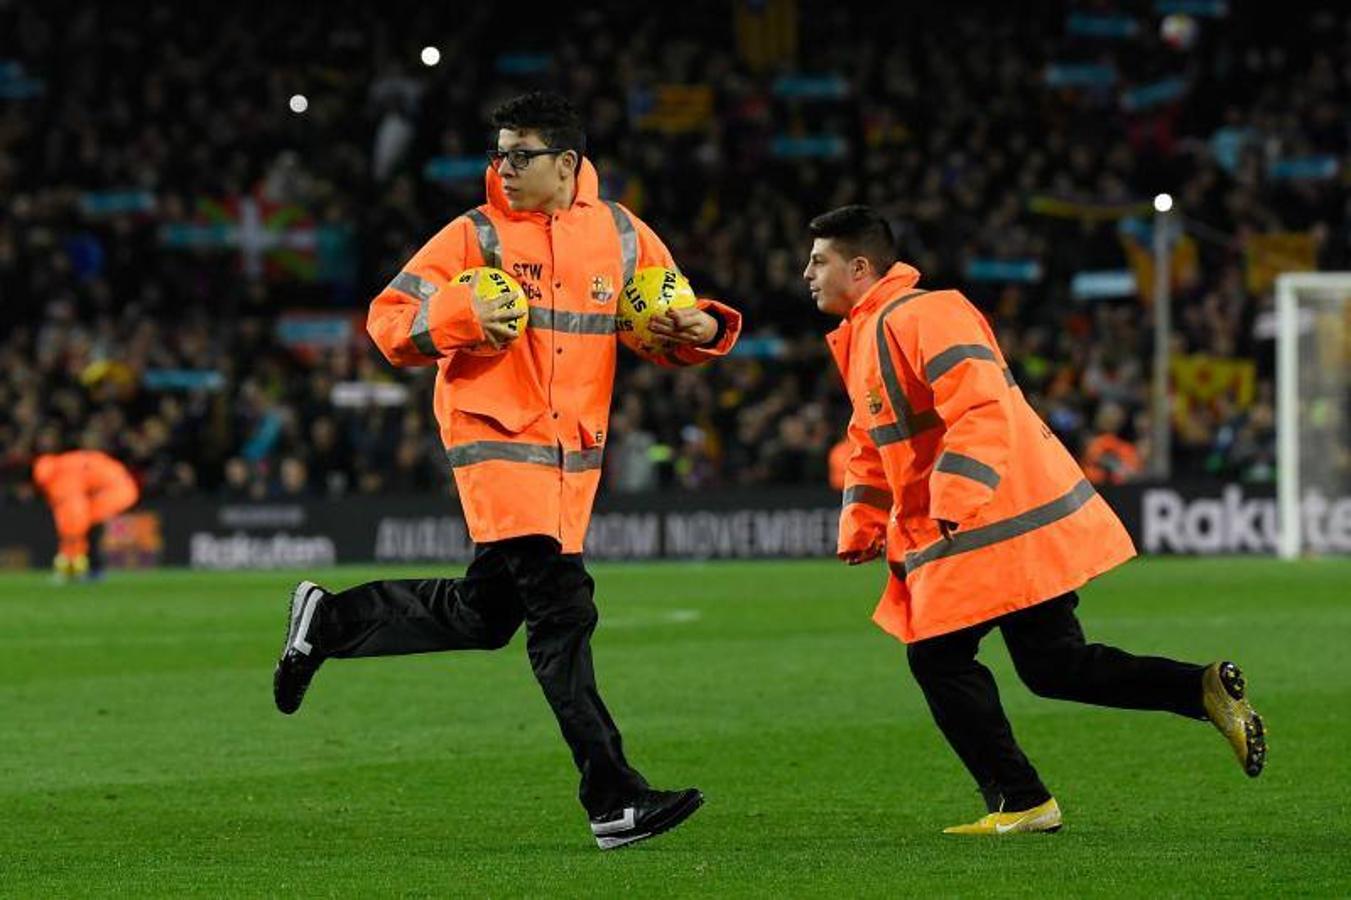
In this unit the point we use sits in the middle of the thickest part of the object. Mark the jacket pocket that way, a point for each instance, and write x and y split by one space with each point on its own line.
502 389
591 433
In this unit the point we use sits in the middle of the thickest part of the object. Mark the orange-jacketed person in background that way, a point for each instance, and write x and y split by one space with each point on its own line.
84 488
1109 458
524 430
837 463
985 520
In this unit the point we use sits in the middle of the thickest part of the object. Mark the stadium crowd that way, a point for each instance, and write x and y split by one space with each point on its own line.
1015 156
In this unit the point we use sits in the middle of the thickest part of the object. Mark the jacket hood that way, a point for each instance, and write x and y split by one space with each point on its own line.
44 469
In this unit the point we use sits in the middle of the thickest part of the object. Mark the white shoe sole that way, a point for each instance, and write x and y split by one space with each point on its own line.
609 843
304 601
672 820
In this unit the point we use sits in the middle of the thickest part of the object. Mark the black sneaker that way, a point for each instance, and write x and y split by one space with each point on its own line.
647 815
298 661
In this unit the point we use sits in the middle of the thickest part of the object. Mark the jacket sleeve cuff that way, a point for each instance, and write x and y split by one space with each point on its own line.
451 320
861 526
729 329
720 333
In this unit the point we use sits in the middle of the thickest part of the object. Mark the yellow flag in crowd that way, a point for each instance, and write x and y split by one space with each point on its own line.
678 108
1199 380
766 32
1184 264
1268 255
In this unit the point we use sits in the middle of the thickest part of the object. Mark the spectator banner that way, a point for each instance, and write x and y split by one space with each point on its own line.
672 108
1137 242
1268 255
1200 381
1183 518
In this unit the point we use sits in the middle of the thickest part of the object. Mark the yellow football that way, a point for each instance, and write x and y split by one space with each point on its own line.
651 292
495 283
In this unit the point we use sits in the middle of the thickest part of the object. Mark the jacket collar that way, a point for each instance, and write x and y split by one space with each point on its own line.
900 277
588 192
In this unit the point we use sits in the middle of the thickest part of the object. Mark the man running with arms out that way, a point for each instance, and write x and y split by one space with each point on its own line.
524 430
986 522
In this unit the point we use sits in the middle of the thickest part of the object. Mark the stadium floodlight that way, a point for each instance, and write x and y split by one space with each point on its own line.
1161 440
299 103
1313 412
430 56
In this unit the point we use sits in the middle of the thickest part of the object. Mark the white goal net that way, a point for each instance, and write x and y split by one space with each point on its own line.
1313 385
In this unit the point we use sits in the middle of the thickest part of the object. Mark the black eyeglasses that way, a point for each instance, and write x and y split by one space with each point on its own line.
520 158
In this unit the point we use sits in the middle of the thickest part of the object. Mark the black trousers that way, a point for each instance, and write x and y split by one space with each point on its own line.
1048 650
96 550
519 580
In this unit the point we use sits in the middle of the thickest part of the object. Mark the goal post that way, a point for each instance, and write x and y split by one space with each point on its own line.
1313 411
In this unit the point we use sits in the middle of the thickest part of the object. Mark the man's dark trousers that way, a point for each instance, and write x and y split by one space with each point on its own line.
1050 655
525 579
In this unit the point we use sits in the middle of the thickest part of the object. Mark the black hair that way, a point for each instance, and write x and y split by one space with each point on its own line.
551 116
858 231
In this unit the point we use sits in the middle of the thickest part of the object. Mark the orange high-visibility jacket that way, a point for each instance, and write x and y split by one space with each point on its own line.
524 429
941 431
84 488
81 472
1110 459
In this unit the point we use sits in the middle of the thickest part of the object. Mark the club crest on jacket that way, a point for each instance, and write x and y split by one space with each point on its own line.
602 289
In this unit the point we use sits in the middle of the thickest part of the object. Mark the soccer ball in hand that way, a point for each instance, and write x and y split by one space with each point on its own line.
651 292
495 283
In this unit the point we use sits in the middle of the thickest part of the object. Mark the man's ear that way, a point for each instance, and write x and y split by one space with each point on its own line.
571 160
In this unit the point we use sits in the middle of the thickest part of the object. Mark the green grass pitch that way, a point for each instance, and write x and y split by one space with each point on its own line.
140 753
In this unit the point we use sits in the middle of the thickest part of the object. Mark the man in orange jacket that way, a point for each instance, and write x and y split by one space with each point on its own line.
986 522
1109 458
524 430
84 488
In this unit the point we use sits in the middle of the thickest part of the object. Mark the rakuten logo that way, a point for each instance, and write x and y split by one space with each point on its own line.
243 551
1233 523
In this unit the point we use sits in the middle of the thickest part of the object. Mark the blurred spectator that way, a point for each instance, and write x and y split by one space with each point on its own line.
1109 458
838 463
631 458
293 479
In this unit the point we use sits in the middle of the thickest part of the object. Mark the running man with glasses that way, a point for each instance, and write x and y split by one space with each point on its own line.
524 431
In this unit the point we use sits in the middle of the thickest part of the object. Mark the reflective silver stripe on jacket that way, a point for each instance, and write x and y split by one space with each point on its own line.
908 422
1006 529
571 322
489 246
582 460
916 423
941 364
968 467
421 290
628 239
536 454
868 495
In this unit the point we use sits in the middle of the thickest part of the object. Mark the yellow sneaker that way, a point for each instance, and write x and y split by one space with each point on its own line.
67 568
1224 693
1044 818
